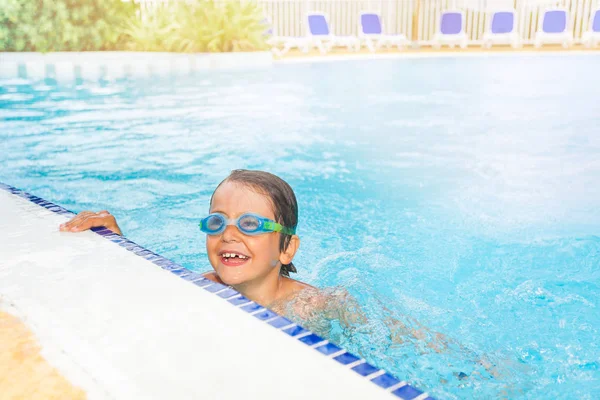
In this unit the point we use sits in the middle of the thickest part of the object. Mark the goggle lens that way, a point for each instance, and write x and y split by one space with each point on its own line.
249 224
214 223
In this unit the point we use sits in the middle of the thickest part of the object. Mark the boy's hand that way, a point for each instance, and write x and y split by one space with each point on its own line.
89 219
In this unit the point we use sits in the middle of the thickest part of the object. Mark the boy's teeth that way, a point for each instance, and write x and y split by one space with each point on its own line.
230 255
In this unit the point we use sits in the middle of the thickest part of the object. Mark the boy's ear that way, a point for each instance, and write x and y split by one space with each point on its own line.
288 254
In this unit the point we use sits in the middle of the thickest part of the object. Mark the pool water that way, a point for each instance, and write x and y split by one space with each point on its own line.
456 194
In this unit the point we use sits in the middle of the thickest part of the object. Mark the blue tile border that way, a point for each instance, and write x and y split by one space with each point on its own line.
346 358
407 392
239 300
365 369
328 349
379 377
280 322
385 381
311 339
296 330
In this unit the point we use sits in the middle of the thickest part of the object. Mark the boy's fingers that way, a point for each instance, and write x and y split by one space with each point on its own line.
85 222
91 221
79 221
78 217
72 221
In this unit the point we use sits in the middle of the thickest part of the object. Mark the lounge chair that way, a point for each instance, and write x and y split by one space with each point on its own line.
554 28
282 44
501 29
451 30
592 36
320 35
371 33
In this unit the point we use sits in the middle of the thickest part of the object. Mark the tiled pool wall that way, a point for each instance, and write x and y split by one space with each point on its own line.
377 376
68 67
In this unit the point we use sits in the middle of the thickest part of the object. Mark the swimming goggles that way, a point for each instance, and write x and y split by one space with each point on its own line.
248 224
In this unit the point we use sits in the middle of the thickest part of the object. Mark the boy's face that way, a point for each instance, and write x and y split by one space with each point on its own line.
232 200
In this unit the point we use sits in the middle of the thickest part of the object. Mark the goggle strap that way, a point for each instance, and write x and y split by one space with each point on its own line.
272 226
277 227
288 231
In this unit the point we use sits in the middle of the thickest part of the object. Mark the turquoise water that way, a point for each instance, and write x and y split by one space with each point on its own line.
461 193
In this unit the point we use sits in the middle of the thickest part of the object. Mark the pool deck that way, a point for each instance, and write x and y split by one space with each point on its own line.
340 54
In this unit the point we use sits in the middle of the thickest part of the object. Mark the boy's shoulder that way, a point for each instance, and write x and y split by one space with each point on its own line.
300 295
293 286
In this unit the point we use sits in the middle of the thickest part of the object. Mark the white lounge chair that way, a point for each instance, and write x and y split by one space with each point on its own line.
591 37
554 28
451 30
501 29
282 44
371 33
320 36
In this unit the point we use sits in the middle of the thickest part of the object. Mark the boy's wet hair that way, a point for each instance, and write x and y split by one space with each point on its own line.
282 197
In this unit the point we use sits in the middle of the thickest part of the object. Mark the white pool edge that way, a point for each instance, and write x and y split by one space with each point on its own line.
429 54
73 67
69 67
25 274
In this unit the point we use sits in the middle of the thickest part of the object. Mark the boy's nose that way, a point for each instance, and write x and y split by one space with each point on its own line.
231 233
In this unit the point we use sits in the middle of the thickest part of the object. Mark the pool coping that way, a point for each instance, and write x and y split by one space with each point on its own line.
99 66
70 67
426 54
379 377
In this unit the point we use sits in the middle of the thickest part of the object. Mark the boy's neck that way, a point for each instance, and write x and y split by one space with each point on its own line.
263 291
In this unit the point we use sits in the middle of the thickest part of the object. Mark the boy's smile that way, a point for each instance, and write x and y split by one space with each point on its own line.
232 258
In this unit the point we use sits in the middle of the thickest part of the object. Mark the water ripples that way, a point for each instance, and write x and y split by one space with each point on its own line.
457 195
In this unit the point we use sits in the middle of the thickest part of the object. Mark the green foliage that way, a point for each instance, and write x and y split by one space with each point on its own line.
153 33
199 26
222 27
61 25
86 25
